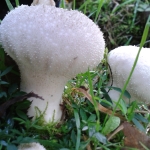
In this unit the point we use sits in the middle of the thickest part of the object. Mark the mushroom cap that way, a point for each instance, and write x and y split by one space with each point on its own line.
31 146
47 38
121 61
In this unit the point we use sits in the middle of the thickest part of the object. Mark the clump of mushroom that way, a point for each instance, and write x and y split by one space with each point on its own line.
31 146
50 45
121 61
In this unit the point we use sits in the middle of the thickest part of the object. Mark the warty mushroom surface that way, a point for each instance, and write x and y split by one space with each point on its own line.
31 146
121 61
50 45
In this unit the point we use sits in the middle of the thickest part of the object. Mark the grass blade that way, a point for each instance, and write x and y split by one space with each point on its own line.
121 5
17 2
99 9
9 5
77 118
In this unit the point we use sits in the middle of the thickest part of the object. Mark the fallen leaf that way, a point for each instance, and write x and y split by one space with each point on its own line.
89 145
100 107
134 138
120 128
5 105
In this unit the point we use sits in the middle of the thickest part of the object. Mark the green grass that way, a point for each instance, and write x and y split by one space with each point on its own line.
84 125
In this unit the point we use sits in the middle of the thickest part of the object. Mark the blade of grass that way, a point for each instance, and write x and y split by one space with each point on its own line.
129 40
62 4
74 4
78 129
144 36
94 101
98 9
121 5
17 2
135 13
9 5
84 5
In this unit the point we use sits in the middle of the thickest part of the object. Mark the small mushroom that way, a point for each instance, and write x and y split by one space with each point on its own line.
121 61
50 45
31 146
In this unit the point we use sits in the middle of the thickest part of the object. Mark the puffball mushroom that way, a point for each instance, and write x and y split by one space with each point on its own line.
121 61
50 45
31 146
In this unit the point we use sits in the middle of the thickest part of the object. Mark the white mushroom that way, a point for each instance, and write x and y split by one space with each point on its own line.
31 146
121 61
50 45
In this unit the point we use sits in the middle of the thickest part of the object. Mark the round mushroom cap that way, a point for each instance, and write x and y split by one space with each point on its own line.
31 146
121 61
52 39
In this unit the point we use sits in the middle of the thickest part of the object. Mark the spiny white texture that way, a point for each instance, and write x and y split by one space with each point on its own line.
50 45
31 146
121 61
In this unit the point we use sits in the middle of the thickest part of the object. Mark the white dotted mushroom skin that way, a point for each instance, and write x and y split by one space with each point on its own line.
50 45
31 146
121 61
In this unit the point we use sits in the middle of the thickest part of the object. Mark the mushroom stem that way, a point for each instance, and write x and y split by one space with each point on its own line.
53 88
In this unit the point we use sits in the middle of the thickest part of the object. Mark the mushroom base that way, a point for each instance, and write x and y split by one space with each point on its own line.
50 88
